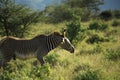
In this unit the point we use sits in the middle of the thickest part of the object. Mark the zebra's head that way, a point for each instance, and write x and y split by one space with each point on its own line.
66 44
62 40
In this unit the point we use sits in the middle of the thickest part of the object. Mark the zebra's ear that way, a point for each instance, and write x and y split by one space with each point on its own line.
64 32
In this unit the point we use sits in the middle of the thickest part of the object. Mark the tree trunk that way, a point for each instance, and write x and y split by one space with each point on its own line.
6 31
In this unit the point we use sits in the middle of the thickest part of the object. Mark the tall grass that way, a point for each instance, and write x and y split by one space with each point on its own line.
89 62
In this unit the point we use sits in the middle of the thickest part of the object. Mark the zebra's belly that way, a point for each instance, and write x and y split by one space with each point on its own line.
1 56
25 55
1 59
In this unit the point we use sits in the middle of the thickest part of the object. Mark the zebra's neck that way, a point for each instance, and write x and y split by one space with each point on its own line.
51 43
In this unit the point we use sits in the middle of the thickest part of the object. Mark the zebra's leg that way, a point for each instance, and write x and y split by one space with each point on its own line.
1 63
6 60
14 57
40 56
42 61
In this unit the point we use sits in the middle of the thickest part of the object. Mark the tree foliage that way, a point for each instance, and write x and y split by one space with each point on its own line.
106 15
67 8
89 4
116 14
15 18
75 32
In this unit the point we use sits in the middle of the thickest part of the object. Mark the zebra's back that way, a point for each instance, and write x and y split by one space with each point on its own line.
19 47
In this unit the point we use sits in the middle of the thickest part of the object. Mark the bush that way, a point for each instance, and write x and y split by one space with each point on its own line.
14 71
112 54
88 75
82 67
24 71
65 63
96 39
75 32
40 72
116 14
98 49
98 26
52 59
73 28
115 23
106 15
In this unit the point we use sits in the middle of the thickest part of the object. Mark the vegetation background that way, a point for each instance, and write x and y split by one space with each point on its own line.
94 33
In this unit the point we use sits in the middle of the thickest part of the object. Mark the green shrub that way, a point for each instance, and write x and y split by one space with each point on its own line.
24 71
80 37
75 31
52 59
96 39
112 32
41 72
115 23
112 54
103 26
81 67
88 75
106 15
94 26
98 49
15 71
98 26
65 62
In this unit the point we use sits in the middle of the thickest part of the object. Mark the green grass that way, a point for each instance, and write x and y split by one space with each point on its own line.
89 61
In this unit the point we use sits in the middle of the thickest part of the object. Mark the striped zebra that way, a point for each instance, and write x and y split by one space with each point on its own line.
39 46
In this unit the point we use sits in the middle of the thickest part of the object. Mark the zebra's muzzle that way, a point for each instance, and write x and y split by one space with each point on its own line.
72 50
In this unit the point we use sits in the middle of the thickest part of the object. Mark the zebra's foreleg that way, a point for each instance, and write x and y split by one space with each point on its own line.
42 61
6 59
40 56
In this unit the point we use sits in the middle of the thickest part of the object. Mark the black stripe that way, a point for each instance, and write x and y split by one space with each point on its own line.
55 43
48 43
52 43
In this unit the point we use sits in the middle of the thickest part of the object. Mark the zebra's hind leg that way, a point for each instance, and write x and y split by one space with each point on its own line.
6 60
14 57
41 61
1 64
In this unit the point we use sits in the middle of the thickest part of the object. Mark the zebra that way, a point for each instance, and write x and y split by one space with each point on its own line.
39 46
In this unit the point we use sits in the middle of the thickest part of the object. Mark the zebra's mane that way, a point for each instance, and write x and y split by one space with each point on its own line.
12 37
53 33
41 35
